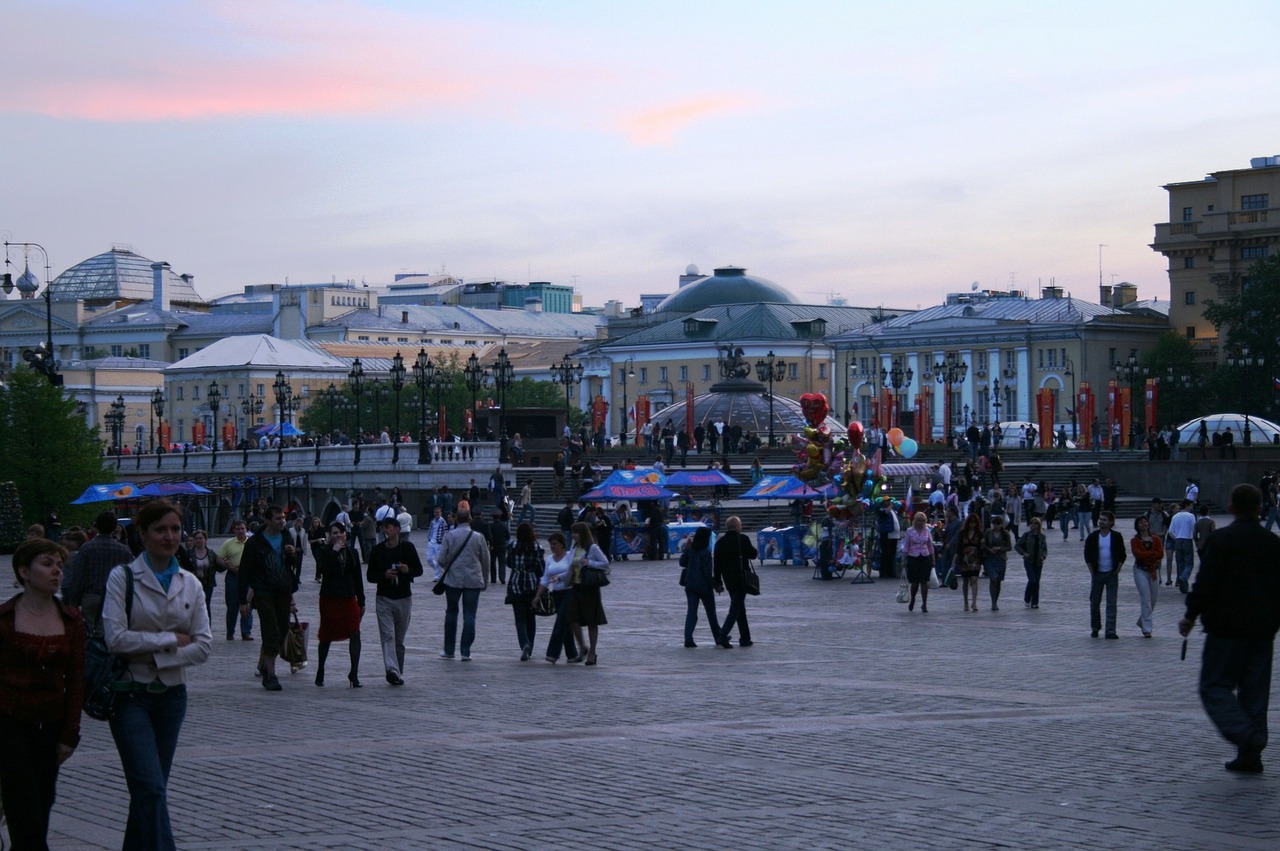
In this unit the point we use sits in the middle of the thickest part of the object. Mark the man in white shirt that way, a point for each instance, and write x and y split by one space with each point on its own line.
1193 491
1028 494
383 512
1182 532
405 519
1104 553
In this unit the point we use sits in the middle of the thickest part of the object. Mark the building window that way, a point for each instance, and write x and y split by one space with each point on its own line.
406 339
1040 354
180 390
822 371
1189 297
384 339
262 391
1253 252
182 353
144 350
793 371
362 338
240 390
1253 202
644 375
1191 332
662 373
117 351
1111 357
195 392
706 372
1186 214
684 373
1011 361
1188 262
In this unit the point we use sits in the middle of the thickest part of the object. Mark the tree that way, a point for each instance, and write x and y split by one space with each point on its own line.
1248 319
46 448
1173 362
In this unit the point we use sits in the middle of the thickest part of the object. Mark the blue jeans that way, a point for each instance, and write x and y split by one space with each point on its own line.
146 730
470 598
526 621
231 592
526 511
1183 552
1110 582
707 598
1235 687
561 635
1031 595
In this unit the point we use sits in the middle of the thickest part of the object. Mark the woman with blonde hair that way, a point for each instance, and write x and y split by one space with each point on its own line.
921 559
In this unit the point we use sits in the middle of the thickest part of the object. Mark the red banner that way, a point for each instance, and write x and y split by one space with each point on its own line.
228 436
468 421
599 410
163 431
1085 415
1113 409
441 425
888 410
1151 397
197 432
1044 417
642 418
1126 415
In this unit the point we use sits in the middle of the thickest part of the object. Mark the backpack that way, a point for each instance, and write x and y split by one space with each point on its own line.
104 669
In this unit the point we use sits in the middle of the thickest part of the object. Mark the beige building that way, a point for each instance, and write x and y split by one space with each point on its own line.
1217 228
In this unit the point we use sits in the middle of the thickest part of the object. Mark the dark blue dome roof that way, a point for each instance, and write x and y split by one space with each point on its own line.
729 285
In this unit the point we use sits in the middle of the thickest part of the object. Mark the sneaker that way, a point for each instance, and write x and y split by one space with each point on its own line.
466 657
394 679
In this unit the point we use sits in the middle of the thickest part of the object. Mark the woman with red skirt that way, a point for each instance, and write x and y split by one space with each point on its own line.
341 599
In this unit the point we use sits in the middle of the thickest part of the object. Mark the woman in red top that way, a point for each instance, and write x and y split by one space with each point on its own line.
1148 552
42 647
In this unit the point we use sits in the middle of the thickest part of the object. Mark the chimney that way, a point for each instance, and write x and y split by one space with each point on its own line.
1123 294
1051 292
404 316
533 304
160 286
1104 295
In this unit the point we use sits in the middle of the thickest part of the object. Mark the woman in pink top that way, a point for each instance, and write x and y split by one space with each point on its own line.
917 545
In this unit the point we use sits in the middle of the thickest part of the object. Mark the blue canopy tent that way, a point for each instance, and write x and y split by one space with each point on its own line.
636 491
106 493
783 487
701 479
161 489
290 430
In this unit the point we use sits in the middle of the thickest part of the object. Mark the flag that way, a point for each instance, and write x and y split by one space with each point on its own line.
1275 383
910 500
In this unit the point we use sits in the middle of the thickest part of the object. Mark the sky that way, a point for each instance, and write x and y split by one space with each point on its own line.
884 153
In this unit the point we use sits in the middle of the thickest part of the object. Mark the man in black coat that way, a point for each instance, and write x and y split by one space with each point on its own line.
1237 596
1104 553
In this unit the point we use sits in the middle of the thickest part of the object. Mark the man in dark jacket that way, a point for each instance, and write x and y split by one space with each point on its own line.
85 583
1104 553
265 571
393 565
1237 595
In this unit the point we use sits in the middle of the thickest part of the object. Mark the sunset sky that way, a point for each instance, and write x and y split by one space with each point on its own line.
887 153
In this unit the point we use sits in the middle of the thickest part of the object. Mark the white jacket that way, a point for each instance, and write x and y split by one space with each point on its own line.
148 638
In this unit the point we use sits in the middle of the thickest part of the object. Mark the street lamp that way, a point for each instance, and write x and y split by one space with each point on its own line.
284 399
569 374
41 357
251 406
1241 359
503 373
424 372
356 379
474 375
115 420
1130 371
897 377
628 371
995 402
1070 372
397 384
769 370
214 398
949 372
157 407
379 393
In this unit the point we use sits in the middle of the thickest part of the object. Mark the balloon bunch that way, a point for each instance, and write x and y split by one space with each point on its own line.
815 448
903 445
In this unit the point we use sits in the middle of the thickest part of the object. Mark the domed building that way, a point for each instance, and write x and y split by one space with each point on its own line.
729 285
121 275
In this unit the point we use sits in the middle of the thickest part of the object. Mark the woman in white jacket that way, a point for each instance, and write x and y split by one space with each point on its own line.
162 627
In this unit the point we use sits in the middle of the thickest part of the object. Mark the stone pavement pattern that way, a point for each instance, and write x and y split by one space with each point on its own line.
851 724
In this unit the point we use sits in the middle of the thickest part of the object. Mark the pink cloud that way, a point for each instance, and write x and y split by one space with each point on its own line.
660 126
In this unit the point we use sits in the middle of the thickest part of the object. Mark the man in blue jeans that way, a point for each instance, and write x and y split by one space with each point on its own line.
1182 532
1237 594
464 558
1104 553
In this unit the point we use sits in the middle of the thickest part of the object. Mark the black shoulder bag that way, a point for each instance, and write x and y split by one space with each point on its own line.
750 579
102 668
439 587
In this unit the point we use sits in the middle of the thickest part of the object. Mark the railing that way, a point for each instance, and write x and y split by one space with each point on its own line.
373 456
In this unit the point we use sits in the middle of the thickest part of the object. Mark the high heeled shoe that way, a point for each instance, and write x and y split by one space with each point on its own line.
354 681
591 658
319 678
581 657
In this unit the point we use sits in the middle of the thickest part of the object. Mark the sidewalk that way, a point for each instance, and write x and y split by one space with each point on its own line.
851 724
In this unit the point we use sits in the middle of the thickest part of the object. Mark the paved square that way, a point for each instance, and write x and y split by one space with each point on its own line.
851 724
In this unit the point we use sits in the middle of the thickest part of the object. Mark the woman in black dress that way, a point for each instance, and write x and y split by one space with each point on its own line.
341 599
733 553
585 606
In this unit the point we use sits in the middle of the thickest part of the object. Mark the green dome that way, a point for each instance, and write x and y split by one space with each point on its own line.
729 285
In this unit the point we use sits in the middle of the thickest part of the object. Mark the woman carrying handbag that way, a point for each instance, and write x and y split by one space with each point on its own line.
732 564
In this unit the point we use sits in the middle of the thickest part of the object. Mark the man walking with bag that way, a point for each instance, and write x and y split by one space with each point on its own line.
1237 594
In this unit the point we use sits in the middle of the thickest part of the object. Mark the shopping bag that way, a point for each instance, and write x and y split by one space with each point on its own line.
294 647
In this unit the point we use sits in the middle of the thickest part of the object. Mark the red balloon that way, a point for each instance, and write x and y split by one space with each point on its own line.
855 434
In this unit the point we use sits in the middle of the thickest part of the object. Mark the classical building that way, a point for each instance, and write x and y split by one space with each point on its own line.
986 356
1217 228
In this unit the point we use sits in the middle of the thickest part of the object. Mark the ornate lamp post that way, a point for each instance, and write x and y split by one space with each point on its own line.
379 393
424 373
251 406
995 402
769 370
949 372
1241 359
897 377
1130 371
284 399
569 374
474 375
397 384
157 407
214 398
1070 372
355 378
331 397
503 373
115 421
628 371
41 357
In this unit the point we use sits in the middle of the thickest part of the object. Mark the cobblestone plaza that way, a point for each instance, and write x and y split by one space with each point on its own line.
850 724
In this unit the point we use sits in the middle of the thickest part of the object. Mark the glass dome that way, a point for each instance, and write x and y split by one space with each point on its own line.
119 274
